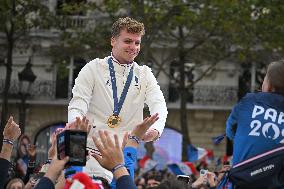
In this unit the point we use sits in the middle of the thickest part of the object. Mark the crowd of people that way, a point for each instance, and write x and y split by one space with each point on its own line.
118 157
107 104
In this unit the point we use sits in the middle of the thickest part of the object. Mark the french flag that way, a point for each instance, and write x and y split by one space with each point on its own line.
147 164
182 168
195 153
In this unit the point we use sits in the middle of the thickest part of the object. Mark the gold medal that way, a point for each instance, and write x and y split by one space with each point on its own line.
113 121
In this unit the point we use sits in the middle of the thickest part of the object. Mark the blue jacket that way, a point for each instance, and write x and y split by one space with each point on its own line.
4 167
259 122
130 159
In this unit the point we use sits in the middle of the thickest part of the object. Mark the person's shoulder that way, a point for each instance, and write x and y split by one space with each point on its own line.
246 100
97 61
143 68
259 96
137 66
249 96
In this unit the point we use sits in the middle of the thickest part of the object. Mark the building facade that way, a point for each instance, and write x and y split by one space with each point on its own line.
208 105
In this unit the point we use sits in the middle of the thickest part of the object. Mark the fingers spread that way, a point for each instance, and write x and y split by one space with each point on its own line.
97 157
116 141
99 145
125 139
108 139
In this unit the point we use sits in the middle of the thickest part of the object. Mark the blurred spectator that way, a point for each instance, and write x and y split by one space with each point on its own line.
153 181
140 183
172 184
15 183
25 160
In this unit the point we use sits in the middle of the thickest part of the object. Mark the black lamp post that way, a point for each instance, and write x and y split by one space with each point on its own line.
26 78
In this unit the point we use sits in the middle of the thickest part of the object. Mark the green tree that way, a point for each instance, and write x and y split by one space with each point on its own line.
17 18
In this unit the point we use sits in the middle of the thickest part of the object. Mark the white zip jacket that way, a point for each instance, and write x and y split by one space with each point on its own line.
92 96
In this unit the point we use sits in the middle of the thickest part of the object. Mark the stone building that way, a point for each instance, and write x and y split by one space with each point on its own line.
209 101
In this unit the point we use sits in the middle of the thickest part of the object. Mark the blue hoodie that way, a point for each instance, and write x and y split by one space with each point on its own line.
259 122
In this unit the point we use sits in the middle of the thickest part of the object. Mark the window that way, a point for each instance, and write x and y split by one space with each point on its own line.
66 75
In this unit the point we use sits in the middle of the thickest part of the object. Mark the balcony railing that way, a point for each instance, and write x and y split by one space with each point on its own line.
215 95
200 95
75 21
204 95
39 90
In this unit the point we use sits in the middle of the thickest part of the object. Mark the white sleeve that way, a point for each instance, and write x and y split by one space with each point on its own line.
155 101
82 92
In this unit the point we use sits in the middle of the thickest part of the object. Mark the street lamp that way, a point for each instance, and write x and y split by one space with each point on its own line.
26 78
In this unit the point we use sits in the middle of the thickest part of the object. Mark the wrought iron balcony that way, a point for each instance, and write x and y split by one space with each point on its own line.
75 21
215 95
39 90
200 95
203 95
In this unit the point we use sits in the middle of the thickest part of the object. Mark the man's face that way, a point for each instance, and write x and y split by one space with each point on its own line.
126 46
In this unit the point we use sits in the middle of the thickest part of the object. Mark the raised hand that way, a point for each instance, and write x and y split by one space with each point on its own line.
11 133
111 153
55 168
142 130
12 130
202 180
52 149
212 180
79 124
31 150
125 139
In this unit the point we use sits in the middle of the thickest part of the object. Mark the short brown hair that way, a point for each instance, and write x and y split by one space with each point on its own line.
131 26
275 76
14 180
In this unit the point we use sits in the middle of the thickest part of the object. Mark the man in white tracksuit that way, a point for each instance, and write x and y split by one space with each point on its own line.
112 91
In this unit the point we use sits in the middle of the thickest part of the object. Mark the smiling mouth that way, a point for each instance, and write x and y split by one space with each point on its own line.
131 53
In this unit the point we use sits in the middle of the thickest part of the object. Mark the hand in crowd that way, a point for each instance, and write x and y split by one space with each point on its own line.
52 149
212 179
55 168
223 170
125 140
208 179
151 134
202 180
31 150
80 124
12 130
112 154
11 133
142 130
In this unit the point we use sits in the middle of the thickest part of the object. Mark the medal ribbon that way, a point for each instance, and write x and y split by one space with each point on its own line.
118 104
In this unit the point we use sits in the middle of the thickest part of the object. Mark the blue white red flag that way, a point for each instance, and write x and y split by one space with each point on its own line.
195 153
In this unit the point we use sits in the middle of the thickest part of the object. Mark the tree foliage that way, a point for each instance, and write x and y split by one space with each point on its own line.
17 19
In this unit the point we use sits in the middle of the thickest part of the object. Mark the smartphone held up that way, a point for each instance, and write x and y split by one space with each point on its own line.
72 143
